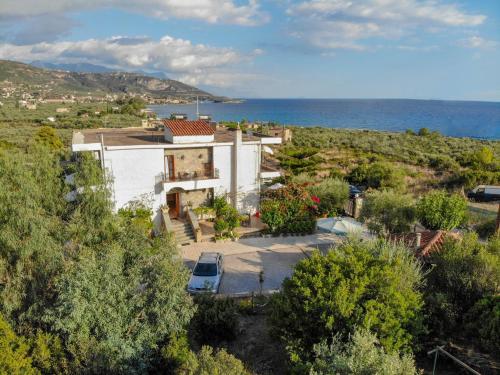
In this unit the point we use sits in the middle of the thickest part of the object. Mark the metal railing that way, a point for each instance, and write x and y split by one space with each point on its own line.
190 176
440 349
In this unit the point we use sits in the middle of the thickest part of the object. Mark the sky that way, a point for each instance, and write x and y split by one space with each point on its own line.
428 49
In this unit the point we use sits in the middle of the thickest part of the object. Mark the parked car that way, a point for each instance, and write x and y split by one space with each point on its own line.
207 273
354 192
484 193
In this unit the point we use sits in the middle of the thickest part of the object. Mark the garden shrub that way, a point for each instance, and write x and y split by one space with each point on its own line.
373 285
215 320
227 218
362 354
441 210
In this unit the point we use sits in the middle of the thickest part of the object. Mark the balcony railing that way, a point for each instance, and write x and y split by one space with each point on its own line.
191 175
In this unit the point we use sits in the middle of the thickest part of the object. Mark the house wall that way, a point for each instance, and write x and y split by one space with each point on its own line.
222 161
248 178
135 177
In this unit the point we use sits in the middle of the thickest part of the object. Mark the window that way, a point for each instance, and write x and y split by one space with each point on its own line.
205 269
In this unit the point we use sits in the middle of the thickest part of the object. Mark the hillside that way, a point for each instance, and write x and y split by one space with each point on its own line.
44 82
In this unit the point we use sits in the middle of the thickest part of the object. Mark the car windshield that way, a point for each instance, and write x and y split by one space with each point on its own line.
205 269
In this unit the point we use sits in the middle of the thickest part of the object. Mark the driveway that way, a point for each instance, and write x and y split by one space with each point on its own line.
246 258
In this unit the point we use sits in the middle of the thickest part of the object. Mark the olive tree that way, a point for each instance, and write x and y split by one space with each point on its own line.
373 285
388 212
362 354
440 210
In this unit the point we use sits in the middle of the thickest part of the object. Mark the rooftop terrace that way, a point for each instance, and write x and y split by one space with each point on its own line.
142 136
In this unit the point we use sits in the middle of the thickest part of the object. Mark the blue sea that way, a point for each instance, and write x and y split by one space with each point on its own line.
452 118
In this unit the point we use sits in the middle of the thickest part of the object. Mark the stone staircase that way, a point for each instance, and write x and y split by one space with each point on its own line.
183 232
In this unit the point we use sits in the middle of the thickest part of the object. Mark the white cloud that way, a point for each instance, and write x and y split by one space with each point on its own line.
245 13
331 24
179 58
478 42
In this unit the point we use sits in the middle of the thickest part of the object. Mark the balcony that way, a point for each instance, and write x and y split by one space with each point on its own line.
191 180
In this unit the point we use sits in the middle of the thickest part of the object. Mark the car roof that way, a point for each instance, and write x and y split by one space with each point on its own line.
207 257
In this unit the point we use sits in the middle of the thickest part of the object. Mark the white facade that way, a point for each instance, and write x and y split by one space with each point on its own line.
137 171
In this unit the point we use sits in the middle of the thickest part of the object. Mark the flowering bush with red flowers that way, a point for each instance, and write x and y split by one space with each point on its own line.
290 209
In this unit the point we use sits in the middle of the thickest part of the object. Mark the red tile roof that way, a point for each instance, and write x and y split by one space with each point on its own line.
430 241
185 127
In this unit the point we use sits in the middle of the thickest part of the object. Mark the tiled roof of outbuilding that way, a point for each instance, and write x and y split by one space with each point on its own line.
182 128
430 241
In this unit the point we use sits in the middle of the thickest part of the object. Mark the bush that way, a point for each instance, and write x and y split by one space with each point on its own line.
484 319
378 175
373 285
486 229
465 271
227 218
220 363
177 356
440 210
362 354
332 194
180 360
289 209
14 352
424 132
215 320
388 212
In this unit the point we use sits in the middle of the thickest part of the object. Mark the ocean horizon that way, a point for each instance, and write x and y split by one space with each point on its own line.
456 118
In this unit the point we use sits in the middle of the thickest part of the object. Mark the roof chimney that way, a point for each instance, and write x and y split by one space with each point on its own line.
418 240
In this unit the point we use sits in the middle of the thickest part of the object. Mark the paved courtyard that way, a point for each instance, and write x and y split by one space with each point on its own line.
246 258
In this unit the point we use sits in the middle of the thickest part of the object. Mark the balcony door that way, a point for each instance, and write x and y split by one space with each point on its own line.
170 167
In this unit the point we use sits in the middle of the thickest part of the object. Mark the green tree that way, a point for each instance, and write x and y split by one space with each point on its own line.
333 194
272 215
483 320
116 302
31 242
465 271
47 136
373 285
388 212
484 157
362 354
440 210
14 352
378 175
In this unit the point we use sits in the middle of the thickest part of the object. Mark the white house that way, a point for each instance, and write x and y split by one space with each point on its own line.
184 163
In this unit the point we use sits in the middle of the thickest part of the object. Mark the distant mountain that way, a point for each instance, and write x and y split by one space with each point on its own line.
79 68
63 81
90 68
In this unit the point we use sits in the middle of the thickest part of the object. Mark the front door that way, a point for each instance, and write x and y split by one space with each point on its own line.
173 205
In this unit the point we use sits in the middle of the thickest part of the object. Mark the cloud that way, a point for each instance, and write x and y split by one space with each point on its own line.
345 24
478 42
246 13
179 58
